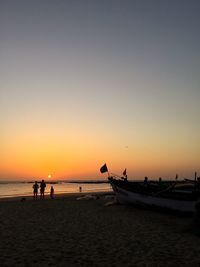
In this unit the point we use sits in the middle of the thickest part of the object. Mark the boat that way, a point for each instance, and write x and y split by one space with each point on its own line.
170 195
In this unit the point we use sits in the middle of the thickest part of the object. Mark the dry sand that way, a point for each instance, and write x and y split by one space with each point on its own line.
70 232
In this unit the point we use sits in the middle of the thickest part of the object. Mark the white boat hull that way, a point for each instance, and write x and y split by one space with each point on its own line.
124 196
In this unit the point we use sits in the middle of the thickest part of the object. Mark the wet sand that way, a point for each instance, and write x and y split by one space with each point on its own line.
70 232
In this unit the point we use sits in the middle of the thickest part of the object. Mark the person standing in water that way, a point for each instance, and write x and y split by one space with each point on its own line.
42 189
35 190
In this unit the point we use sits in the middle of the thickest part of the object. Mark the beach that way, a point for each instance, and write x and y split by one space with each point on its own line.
93 232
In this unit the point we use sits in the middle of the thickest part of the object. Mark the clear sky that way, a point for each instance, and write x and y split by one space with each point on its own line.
88 82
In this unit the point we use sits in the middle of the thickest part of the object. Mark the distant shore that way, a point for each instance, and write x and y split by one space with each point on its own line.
56 181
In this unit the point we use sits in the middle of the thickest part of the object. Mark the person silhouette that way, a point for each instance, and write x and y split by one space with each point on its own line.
35 190
145 183
42 189
52 192
160 180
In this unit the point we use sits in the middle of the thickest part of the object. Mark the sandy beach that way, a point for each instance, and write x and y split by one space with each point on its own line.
70 232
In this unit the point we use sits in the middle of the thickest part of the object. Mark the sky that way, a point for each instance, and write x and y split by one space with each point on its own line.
83 83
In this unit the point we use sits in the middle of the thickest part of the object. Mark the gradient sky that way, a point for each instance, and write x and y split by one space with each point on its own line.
88 82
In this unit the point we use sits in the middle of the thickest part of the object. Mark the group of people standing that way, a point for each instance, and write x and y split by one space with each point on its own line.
42 187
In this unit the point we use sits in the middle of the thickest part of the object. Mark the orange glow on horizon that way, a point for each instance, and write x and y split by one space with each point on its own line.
29 155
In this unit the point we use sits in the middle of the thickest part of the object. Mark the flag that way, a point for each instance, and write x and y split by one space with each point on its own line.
124 173
104 168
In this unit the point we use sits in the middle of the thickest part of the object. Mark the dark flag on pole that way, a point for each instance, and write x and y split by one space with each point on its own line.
104 168
124 173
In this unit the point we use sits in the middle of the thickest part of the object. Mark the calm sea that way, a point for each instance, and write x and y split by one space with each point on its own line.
14 189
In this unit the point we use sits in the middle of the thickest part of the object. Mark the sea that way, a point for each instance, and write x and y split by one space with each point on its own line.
21 189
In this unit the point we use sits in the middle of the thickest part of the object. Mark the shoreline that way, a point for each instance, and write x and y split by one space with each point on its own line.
57 196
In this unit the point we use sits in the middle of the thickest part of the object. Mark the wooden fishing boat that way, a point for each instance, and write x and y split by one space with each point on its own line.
182 198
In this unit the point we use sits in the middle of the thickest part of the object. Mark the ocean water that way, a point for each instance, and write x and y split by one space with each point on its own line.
14 189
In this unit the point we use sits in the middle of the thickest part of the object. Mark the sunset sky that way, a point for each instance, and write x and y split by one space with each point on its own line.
83 83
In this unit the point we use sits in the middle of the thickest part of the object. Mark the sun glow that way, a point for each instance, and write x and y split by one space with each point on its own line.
49 176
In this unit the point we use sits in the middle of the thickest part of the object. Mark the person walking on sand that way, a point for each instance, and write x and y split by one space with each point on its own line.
52 192
42 189
35 190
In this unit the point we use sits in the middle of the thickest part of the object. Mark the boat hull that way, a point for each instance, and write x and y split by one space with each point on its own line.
128 197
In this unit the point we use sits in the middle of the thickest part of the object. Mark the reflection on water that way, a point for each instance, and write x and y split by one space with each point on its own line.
26 189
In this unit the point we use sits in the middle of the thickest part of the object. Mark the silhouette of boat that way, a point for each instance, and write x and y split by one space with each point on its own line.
181 197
